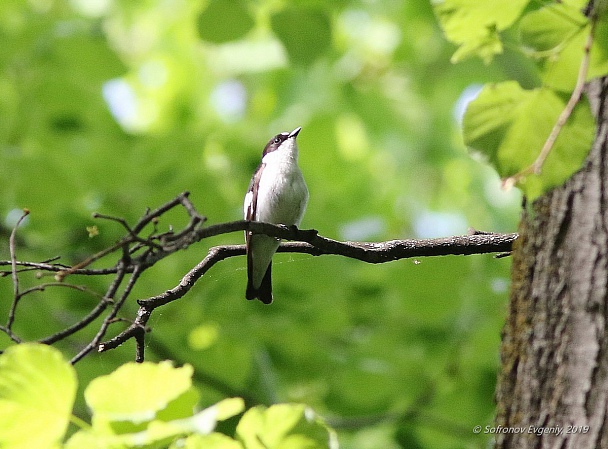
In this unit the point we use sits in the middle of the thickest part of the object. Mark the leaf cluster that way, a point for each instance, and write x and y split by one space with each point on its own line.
144 405
534 136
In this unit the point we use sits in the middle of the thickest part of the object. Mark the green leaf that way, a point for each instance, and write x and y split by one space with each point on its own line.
181 406
550 27
556 35
305 33
488 117
137 392
510 126
474 25
158 432
37 391
224 21
284 426
92 440
203 422
212 441
228 408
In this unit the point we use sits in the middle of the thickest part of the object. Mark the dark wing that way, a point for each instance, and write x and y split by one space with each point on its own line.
253 188
264 293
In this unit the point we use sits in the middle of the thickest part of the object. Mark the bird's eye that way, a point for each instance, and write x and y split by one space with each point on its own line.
277 140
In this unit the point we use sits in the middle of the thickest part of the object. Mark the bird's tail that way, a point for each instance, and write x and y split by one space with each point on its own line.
264 292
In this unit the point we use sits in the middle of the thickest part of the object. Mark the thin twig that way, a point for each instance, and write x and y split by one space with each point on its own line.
13 252
309 243
133 232
96 312
132 236
43 287
118 220
10 334
112 315
298 241
91 316
54 268
60 276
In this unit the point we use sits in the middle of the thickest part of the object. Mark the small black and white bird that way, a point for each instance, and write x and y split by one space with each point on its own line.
277 194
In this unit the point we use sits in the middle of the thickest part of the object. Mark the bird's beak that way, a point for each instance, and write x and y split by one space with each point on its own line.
294 133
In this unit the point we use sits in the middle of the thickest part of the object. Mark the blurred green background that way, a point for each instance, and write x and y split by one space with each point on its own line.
113 106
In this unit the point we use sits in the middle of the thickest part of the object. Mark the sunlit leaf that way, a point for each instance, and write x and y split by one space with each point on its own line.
203 422
556 35
284 425
157 432
92 440
551 26
474 25
138 392
211 441
510 125
37 390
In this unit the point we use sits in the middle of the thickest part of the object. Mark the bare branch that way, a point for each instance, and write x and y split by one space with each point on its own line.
148 217
43 287
110 318
140 253
313 244
118 220
54 268
84 322
15 278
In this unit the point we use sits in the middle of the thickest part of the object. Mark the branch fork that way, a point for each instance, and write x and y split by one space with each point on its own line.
138 253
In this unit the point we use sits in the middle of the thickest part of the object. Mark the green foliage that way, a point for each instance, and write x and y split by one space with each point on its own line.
509 124
284 425
37 390
475 26
139 405
115 398
555 36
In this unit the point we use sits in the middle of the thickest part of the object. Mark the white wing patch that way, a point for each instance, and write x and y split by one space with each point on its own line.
247 206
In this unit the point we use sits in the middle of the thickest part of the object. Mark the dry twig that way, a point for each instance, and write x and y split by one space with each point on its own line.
138 253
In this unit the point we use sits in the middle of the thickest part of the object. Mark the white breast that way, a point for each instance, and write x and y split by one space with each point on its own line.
282 193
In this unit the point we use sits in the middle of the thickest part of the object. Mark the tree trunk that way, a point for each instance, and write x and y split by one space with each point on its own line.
553 385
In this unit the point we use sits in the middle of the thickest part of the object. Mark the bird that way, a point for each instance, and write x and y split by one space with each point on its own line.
277 194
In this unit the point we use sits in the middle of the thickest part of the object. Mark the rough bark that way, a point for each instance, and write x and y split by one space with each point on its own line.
554 355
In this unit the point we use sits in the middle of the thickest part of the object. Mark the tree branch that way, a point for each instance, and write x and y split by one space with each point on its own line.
309 242
140 252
